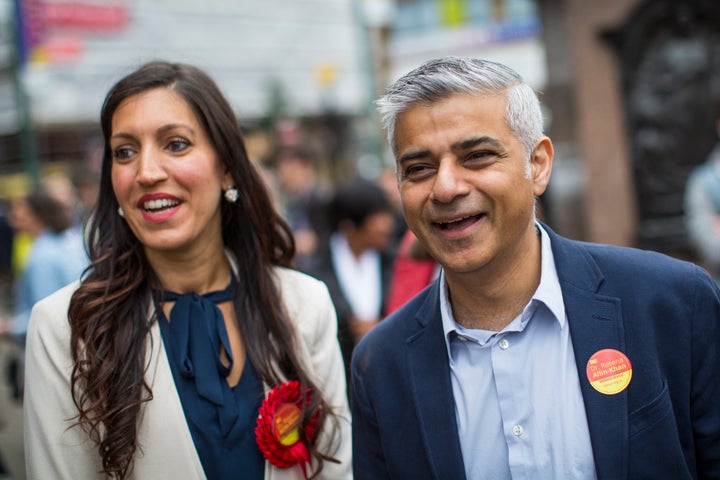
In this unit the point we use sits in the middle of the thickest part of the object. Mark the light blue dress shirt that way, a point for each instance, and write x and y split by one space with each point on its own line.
518 403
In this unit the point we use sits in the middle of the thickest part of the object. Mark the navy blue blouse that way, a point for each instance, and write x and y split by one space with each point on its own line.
221 419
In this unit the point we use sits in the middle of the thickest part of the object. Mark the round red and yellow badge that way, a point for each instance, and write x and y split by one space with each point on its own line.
609 371
280 426
286 424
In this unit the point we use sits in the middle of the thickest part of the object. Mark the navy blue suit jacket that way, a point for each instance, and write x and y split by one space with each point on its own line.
662 313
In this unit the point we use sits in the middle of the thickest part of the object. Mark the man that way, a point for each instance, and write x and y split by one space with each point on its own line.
532 356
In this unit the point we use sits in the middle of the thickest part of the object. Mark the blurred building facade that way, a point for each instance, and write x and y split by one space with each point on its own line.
275 60
309 70
508 31
633 84
287 66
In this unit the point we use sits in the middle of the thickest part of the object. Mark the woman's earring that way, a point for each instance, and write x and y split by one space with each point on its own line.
121 212
231 194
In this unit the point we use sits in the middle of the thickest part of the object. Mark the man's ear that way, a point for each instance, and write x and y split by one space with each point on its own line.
541 160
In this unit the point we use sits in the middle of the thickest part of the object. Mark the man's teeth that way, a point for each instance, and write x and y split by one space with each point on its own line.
455 221
458 223
159 204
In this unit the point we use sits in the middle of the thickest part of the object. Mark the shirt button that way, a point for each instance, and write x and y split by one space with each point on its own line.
517 430
503 344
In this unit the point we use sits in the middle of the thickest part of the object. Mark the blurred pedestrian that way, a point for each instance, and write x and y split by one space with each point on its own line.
413 269
156 364
355 262
6 241
387 180
87 186
303 199
532 355
702 207
6 251
55 258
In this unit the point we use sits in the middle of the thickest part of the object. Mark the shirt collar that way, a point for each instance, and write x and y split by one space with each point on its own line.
548 291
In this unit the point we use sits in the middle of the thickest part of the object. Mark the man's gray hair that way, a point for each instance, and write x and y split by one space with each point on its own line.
438 79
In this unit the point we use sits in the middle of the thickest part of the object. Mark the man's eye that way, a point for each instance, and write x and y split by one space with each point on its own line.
416 171
479 155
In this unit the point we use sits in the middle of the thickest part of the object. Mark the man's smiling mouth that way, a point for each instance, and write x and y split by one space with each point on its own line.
460 223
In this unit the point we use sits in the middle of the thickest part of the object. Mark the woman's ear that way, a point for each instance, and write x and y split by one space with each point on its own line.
227 180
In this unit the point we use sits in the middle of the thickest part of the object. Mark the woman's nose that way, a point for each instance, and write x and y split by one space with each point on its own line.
150 168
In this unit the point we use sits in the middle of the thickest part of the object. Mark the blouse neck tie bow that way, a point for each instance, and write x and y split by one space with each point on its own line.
198 333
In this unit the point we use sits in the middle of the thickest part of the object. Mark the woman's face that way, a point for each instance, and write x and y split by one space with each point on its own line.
166 175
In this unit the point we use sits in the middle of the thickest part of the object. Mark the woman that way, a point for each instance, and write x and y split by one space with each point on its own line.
187 315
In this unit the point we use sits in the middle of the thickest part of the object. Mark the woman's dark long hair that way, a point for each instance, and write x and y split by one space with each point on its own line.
108 313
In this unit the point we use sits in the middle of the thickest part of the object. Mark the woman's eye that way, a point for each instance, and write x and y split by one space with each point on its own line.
177 144
122 153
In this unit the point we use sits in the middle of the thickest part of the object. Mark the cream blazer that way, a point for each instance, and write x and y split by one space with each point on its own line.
54 451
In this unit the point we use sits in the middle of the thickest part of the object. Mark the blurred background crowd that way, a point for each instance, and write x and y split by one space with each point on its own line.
631 91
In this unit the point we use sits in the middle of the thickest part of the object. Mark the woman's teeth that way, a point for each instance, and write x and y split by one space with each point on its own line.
159 204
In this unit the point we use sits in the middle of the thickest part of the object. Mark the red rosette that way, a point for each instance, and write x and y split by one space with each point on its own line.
278 426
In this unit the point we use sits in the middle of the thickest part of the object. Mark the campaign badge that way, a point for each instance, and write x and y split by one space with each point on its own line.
609 371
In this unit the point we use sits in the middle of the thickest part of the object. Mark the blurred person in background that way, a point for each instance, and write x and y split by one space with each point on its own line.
63 188
302 198
189 349
55 258
6 239
87 187
355 262
6 254
387 180
413 269
702 207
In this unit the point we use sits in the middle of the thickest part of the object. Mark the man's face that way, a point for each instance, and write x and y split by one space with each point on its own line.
466 186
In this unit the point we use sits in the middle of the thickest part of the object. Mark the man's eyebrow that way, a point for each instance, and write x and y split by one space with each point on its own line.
475 141
413 155
461 145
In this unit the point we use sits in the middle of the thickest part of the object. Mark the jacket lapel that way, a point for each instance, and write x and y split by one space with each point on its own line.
432 389
595 324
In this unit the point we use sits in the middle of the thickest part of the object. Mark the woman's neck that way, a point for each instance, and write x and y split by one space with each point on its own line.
204 272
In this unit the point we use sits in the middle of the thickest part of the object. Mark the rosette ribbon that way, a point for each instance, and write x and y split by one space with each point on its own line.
279 425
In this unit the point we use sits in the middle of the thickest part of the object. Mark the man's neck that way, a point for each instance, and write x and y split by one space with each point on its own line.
489 299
